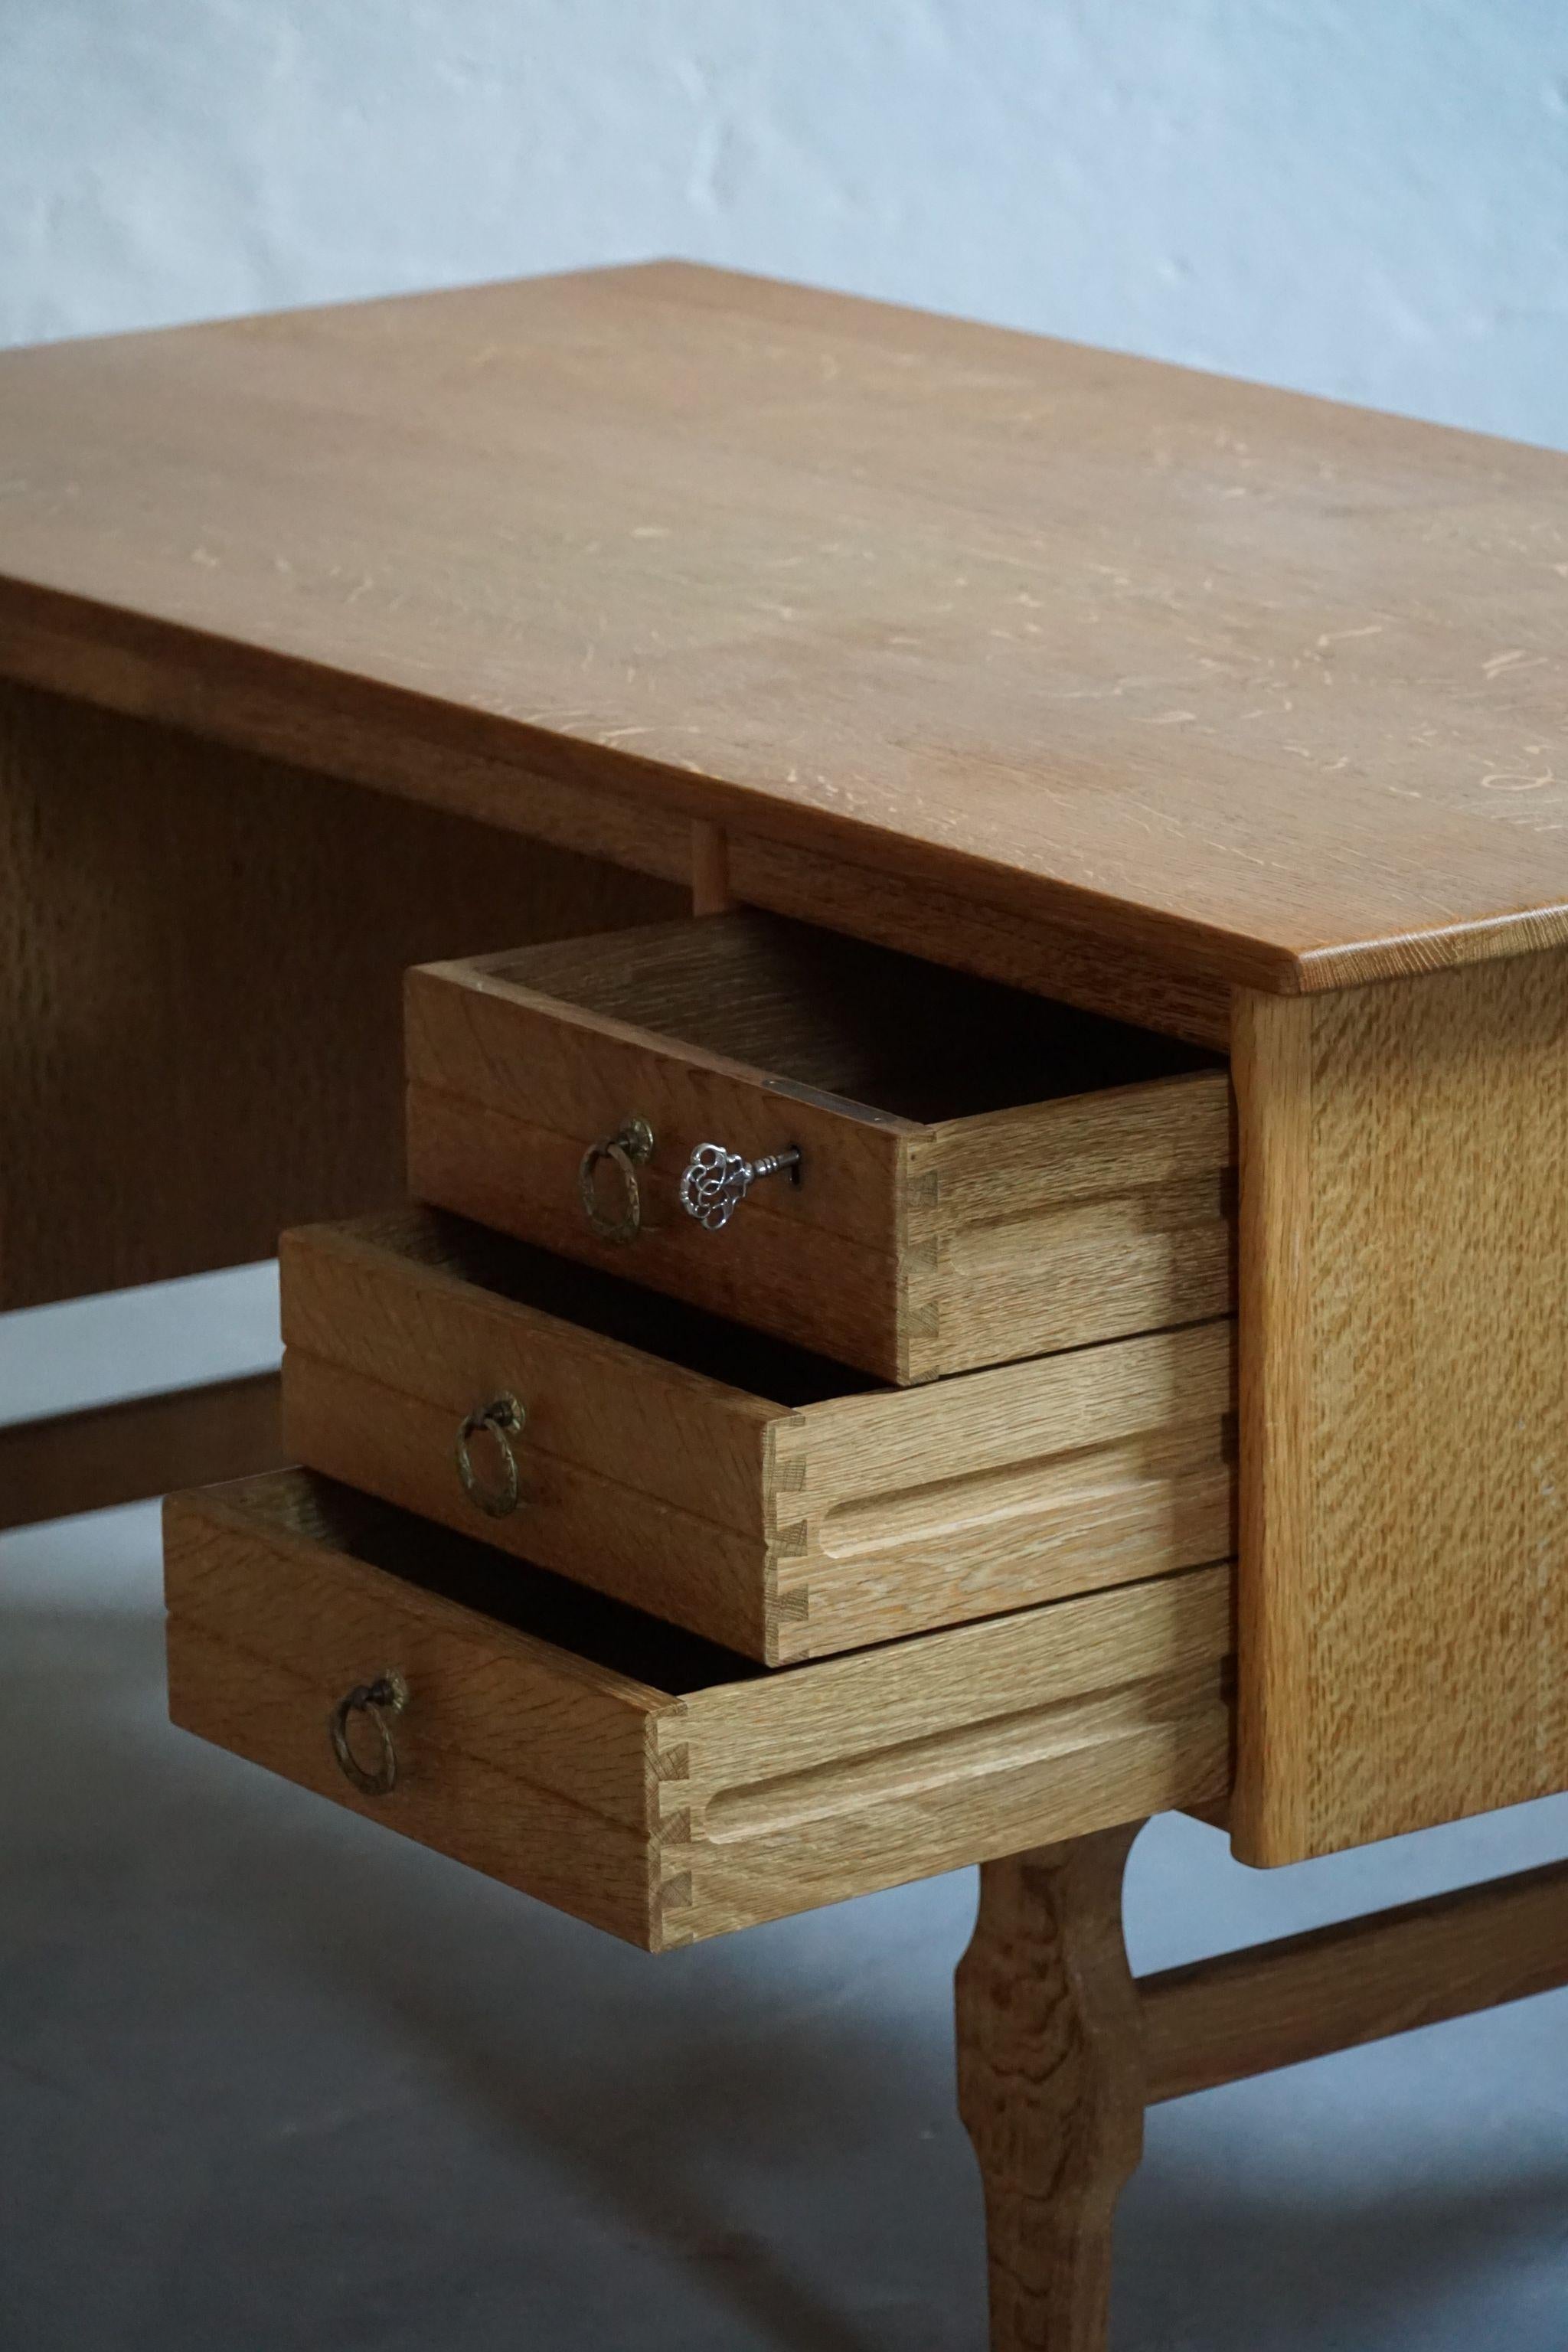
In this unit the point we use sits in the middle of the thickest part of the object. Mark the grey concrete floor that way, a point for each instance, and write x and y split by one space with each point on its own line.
271 2078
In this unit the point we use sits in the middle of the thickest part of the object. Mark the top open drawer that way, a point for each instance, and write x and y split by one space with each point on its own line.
981 1174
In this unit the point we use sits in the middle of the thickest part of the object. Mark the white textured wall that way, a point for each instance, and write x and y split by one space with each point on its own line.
1365 198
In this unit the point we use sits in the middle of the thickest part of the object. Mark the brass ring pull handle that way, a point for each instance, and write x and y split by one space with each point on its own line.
629 1148
503 1417
716 1182
388 1695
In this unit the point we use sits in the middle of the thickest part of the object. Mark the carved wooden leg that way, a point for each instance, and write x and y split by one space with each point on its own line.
1051 2084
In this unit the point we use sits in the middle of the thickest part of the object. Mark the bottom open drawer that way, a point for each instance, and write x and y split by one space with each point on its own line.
637 1776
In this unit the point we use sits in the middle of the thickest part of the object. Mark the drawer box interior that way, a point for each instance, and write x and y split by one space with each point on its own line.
651 1782
983 1174
734 1483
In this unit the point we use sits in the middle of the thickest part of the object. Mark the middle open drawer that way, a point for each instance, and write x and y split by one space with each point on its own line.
733 1483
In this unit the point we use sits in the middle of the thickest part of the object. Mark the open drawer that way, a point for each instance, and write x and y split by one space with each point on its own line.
648 1782
733 1483
983 1174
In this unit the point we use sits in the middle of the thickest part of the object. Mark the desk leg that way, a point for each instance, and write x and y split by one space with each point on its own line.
1051 2084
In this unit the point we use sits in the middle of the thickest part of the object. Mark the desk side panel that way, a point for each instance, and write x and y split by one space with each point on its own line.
1404 1585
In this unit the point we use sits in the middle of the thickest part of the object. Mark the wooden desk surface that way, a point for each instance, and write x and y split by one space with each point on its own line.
1172 697
1255 688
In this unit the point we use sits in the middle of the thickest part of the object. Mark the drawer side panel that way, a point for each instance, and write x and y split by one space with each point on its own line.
1005 1488
1075 1221
1168 1761
865 1772
743 1732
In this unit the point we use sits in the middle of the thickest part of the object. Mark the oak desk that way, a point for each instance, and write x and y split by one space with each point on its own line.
344 639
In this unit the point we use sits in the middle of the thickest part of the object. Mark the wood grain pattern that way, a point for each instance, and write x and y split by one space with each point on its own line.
650 1782
1050 959
478 1032
711 892
114 1453
506 1174
200 965
267 1565
1066 1222
1050 2085
720 1480
1340 1987
1072 1713
897 1511
86 652
517 1831
983 1174
1405 1406
1252 687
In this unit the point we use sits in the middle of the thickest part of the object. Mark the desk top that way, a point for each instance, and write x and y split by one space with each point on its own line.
1268 689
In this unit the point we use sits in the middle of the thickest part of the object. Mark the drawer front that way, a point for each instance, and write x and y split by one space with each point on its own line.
698 1796
936 1220
787 1530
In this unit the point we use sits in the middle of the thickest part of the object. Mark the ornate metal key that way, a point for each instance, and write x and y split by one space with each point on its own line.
717 1181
